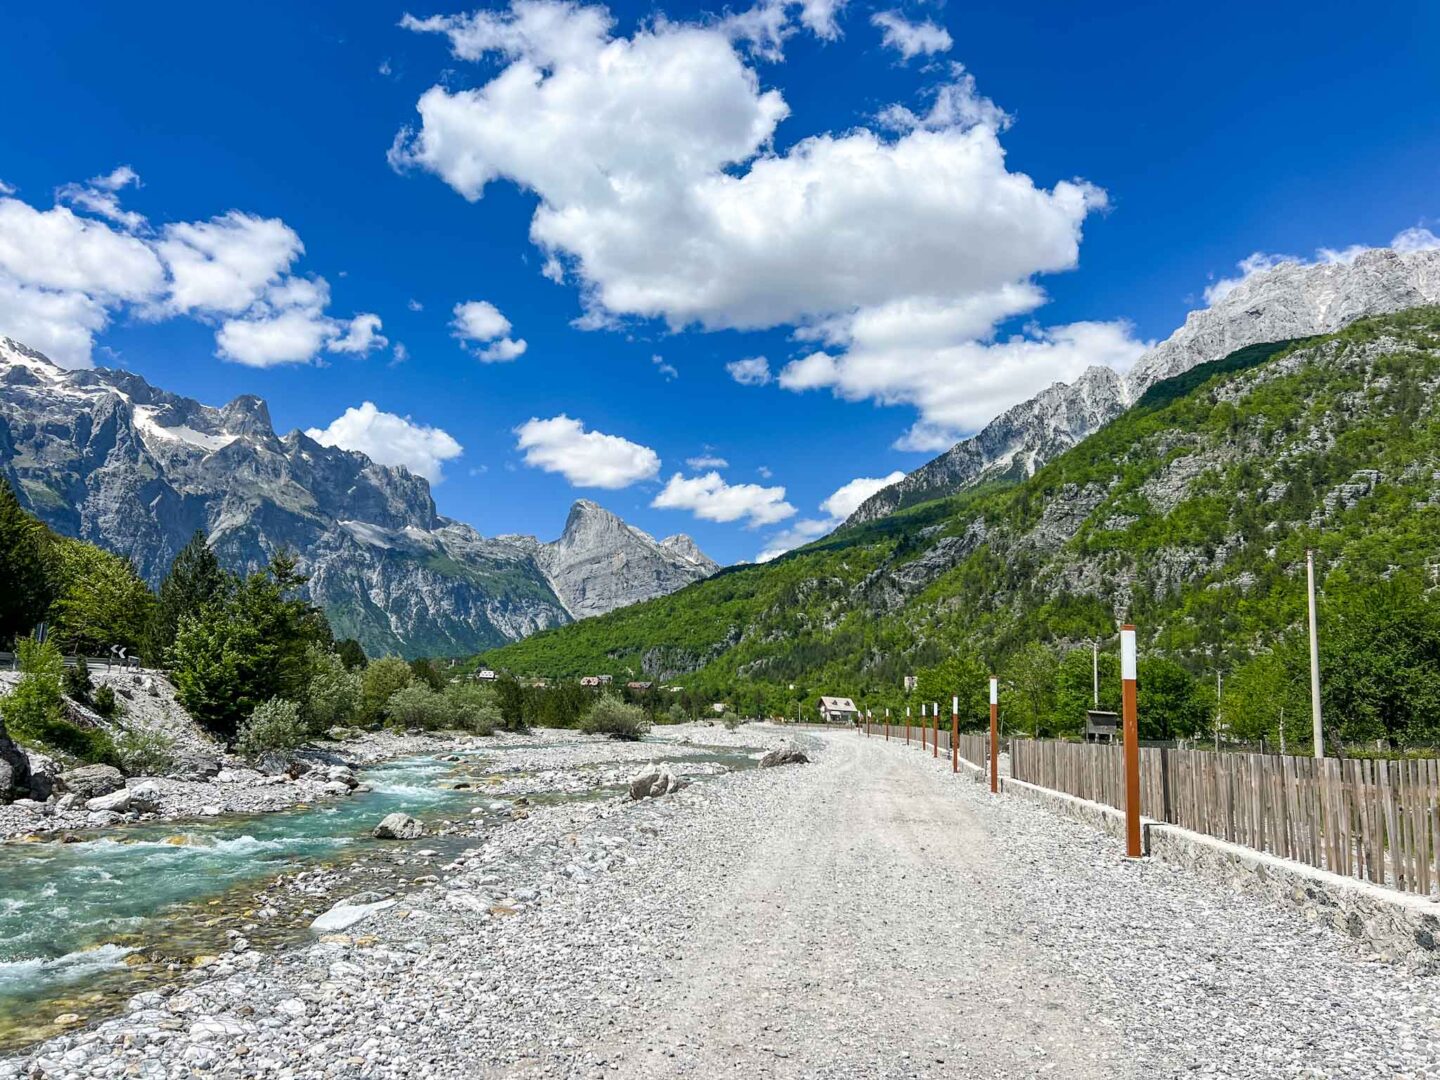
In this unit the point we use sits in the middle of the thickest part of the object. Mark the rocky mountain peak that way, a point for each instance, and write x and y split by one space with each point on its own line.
247 415
1291 300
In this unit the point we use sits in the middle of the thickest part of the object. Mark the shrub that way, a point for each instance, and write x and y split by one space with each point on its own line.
732 722
472 708
333 695
611 716
417 706
381 679
274 725
77 681
676 714
145 752
105 702
34 712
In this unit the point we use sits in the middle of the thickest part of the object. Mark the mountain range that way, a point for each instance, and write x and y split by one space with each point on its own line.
1291 300
1189 514
102 455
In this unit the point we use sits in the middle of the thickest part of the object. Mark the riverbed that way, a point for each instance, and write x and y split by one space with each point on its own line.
85 925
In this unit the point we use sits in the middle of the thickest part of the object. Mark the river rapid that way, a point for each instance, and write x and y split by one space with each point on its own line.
86 924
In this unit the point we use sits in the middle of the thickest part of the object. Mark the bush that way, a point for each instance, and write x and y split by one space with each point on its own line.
274 725
105 703
77 681
34 712
472 708
381 679
676 714
144 752
611 716
417 706
333 696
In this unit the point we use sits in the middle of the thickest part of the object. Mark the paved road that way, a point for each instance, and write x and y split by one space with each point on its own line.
861 938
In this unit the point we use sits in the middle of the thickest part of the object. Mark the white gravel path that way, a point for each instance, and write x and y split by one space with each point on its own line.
868 915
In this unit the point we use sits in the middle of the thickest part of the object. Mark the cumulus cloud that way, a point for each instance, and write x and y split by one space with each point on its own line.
752 371
631 141
910 39
837 506
64 275
585 458
665 368
480 323
710 498
707 461
391 440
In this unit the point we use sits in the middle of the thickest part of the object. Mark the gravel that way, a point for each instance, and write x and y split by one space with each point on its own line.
864 915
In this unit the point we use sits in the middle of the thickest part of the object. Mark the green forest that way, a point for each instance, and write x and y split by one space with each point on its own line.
1189 515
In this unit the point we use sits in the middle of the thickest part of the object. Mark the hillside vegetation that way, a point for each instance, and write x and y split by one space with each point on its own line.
1188 515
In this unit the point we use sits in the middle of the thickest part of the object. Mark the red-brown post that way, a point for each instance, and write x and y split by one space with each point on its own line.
907 725
922 725
1131 723
994 734
887 725
955 733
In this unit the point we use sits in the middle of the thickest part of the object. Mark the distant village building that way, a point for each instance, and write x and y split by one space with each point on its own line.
486 675
638 685
718 707
911 682
605 680
590 680
838 710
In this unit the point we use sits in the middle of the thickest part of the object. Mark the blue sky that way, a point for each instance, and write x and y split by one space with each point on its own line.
819 185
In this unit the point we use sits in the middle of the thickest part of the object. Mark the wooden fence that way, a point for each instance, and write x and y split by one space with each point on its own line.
973 748
1375 820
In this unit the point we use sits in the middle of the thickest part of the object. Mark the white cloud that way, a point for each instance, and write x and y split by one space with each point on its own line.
956 384
7 189
821 17
752 371
846 499
480 322
837 506
707 461
666 369
710 498
415 305
630 142
391 440
64 275
585 458
910 39
1416 239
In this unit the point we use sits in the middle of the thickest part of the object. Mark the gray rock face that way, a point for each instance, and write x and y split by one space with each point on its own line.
93 781
784 755
653 781
14 769
1290 301
105 456
600 563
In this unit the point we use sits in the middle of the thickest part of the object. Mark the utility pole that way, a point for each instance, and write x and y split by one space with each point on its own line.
1095 659
1314 656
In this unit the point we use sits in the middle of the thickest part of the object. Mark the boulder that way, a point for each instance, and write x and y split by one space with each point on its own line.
14 770
192 766
784 755
653 781
341 774
398 826
44 776
145 798
345 915
92 781
116 802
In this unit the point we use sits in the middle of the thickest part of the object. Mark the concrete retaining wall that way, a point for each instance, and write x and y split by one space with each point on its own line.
1398 926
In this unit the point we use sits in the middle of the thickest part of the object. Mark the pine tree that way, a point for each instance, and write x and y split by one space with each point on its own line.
195 579
27 584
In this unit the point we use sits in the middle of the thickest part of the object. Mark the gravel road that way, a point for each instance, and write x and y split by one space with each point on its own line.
868 915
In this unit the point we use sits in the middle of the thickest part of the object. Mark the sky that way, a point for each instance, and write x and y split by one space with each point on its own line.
724 270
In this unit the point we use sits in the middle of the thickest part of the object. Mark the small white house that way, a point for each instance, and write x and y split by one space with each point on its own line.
838 710
485 675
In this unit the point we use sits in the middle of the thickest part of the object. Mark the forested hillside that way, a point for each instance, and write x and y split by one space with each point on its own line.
1189 515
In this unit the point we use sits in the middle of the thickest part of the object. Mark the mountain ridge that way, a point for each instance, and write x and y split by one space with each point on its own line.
103 455
1291 300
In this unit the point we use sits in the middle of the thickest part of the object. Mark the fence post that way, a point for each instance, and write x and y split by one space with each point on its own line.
907 725
1132 742
955 734
1165 799
887 725
935 735
994 734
